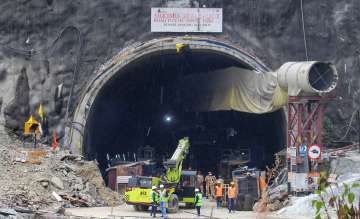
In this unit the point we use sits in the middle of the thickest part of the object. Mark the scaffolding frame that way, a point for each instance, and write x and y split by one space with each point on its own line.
305 118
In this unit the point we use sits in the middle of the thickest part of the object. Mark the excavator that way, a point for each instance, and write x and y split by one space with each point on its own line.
180 184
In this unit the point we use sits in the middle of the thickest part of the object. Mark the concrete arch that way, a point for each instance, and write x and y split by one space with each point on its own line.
74 133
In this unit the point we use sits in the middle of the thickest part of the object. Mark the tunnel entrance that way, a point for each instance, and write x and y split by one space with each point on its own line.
144 104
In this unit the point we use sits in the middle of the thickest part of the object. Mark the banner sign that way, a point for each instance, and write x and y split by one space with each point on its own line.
186 20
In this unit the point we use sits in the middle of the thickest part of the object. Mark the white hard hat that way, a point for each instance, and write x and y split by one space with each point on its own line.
161 186
196 190
153 187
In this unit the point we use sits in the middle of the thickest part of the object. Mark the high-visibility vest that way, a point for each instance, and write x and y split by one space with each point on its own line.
218 191
198 199
232 192
163 197
154 197
262 184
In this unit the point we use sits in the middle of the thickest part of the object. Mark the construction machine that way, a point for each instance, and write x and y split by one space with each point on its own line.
179 184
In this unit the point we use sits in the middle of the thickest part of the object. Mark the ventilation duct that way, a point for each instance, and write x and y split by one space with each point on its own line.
307 78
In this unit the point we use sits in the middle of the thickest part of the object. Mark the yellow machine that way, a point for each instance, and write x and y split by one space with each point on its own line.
180 185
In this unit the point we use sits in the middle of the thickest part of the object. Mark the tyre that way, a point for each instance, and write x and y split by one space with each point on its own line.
137 207
189 205
173 204
141 207
144 207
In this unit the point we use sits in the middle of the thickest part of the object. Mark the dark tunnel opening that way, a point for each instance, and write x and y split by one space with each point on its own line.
321 76
142 105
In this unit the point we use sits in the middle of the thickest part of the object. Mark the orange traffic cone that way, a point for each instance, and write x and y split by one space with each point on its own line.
54 144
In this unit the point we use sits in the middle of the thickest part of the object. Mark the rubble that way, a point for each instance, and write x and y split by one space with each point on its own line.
349 163
303 205
272 200
56 181
279 193
8 211
36 179
345 169
276 194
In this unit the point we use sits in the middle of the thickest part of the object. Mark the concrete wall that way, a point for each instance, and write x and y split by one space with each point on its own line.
38 52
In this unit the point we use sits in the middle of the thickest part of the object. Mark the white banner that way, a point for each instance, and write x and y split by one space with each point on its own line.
186 19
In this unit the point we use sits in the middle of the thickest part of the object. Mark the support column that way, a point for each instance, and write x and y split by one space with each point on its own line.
305 117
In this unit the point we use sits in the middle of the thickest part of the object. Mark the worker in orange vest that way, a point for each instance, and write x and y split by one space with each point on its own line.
218 194
231 197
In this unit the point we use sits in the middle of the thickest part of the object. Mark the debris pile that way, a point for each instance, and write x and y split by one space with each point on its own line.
303 205
275 196
344 169
39 178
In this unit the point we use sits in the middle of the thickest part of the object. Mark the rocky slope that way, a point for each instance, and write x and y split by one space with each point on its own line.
47 43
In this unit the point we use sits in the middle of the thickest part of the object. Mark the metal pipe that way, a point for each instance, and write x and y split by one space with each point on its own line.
304 78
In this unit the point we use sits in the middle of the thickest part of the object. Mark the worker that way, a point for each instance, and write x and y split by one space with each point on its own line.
262 184
163 200
218 193
231 197
154 201
210 185
200 181
198 200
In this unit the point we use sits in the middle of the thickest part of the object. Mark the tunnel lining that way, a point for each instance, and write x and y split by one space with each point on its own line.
74 135
129 104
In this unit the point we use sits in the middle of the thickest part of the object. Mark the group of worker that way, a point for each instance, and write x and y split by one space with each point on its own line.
210 181
231 195
214 189
160 197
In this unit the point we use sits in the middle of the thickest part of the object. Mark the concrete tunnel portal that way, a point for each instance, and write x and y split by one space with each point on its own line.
136 100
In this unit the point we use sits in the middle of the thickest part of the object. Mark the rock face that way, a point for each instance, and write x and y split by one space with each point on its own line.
20 106
48 44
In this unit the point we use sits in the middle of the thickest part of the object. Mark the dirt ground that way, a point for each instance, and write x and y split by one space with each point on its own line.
209 209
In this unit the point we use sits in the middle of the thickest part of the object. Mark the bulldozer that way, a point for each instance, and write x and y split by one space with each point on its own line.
179 184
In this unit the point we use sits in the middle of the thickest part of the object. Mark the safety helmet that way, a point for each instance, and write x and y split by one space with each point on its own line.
161 186
196 190
153 187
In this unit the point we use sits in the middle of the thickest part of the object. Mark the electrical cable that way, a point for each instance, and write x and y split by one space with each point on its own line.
49 51
31 52
303 29
349 126
75 72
